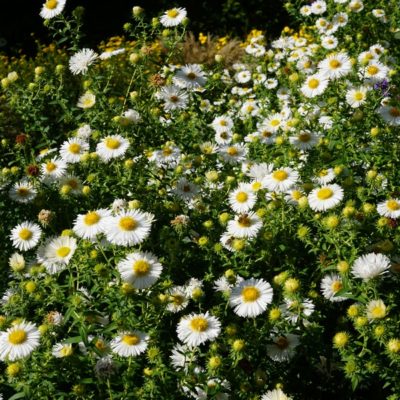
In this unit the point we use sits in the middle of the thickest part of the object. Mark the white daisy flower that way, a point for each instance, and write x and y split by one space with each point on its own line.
223 137
80 61
52 8
60 250
390 114
73 183
281 179
325 197
113 146
375 72
178 299
376 310
275 394
191 76
61 350
245 225
304 140
128 228
314 85
174 97
273 123
185 189
283 347
23 192
26 236
318 7
251 297
370 266
89 225
389 208
330 285
72 150
196 329
356 97
222 124
18 341
233 153
53 169
140 269
87 100
329 42
17 262
294 310
130 344
243 198
173 17
325 176
335 66
52 267
243 76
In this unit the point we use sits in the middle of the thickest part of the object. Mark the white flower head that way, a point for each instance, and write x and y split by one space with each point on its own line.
80 61
52 8
370 266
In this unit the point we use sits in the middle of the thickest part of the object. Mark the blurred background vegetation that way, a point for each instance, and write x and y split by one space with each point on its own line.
21 26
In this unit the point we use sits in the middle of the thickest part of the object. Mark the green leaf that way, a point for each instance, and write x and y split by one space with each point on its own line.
17 396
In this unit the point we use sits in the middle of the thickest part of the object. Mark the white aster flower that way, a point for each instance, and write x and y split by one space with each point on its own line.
191 76
281 179
330 285
251 297
195 329
130 344
53 169
128 228
72 150
370 266
80 61
87 100
111 147
174 97
389 208
325 197
140 269
275 394
243 198
314 85
390 114
23 192
376 310
356 97
304 140
245 226
89 225
18 341
178 299
61 350
60 250
283 347
173 17
52 8
335 66
26 236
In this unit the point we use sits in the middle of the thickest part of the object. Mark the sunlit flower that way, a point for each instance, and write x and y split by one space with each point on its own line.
130 344
370 266
325 197
173 17
26 236
52 8
80 61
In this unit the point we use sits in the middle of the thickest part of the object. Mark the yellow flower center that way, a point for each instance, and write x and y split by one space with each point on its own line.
304 137
249 108
167 151
250 294
392 205
51 4
223 122
173 13
91 218
336 286
63 251
131 340
275 122
394 112
177 299
307 64
266 134
112 143
256 186
74 148
372 70
241 197
232 151
141 267
66 351
378 311
199 324
325 193
127 223
313 83
358 96
88 102
282 343
335 64
25 234
296 194
280 175
17 336
50 166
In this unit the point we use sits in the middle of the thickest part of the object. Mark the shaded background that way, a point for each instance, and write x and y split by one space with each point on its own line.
105 18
